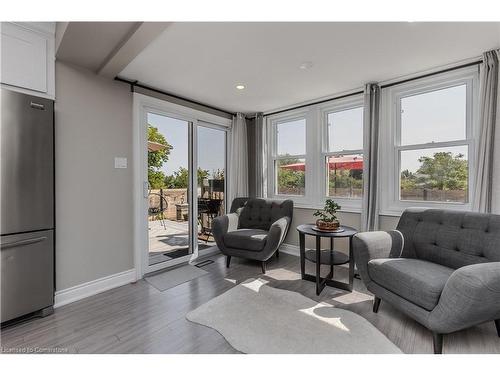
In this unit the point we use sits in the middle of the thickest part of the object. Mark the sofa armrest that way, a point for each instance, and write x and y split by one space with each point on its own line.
471 296
276 234
373 245
223 224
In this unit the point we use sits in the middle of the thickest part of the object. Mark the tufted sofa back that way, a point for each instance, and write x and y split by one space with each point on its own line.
257 213
450 238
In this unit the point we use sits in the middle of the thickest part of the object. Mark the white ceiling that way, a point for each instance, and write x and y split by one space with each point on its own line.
205 61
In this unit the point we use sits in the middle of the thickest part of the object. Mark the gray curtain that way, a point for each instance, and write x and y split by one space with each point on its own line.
488 121
369 211
238 159
260 156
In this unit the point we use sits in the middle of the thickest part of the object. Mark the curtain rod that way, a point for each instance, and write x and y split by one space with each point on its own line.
382 87
477 62
137 84
313 103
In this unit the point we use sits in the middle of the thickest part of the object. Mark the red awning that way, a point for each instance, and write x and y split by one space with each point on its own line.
334 163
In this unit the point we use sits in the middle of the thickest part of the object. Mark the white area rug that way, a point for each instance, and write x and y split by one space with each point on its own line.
257 319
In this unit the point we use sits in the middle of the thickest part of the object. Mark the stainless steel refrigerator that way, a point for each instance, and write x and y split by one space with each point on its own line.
27 205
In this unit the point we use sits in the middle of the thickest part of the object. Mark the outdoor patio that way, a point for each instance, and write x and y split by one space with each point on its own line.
171 241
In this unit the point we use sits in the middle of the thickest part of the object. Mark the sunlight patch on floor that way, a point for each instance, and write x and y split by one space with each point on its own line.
282 274
334 321
255 284
353 297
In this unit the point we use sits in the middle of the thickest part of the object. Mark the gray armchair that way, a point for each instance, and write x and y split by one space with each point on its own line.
254 229
440 267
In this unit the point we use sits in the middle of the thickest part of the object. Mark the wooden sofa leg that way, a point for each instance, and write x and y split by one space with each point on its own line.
263 265
376 304
277 253
497 324
228 260
437 339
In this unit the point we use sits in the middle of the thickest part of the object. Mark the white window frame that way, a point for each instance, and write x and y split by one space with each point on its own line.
272 124
390 138
316 147
339 105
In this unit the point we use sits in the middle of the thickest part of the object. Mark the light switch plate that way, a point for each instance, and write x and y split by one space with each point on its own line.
120 162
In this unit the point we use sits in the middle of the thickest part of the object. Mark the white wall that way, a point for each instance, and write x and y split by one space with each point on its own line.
305 216
94 222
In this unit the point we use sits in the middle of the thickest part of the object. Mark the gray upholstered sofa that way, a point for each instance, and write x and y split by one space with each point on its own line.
440 267
254 229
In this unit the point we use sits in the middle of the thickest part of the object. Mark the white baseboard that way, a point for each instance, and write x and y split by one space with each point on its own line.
78 292
290 249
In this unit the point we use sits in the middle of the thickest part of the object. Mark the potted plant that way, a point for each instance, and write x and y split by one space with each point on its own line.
327 217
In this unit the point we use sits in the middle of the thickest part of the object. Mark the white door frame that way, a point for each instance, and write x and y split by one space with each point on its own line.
143 104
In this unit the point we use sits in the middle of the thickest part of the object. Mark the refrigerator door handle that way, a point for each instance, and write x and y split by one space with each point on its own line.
39 106
23 242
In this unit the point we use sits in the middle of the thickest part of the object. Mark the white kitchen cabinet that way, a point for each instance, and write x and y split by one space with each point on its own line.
28 57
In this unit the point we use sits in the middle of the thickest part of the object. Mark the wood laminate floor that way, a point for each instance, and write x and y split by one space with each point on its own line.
137 318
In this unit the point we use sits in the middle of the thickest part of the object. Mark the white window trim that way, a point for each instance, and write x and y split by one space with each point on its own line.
390 147
315 179
272 122
347 204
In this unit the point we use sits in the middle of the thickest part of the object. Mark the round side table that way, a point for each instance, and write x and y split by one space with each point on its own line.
329 257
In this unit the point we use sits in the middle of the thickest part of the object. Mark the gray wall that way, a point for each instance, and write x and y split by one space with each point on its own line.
94 210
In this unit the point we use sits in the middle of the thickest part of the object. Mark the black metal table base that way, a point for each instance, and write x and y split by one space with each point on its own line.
327 281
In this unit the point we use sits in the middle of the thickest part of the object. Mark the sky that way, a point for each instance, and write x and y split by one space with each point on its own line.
292 137
211 144
433 117
345 130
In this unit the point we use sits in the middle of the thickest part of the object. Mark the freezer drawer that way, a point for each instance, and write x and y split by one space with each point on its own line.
27 273
27 163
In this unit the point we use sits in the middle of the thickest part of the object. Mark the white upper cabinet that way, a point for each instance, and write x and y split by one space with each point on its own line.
28 57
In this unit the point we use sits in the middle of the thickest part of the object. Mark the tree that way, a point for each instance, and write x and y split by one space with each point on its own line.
346 178
289 180
443 171
218 174
408 180
156 158
180 178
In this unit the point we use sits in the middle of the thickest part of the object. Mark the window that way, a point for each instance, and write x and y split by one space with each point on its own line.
343 159
317 152
289 162
426 147
428 121
431 138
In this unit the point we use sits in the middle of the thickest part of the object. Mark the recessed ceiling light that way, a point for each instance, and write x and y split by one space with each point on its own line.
240 87
306 65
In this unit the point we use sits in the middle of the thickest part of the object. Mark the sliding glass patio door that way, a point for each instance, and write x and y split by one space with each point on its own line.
169 192
184 187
